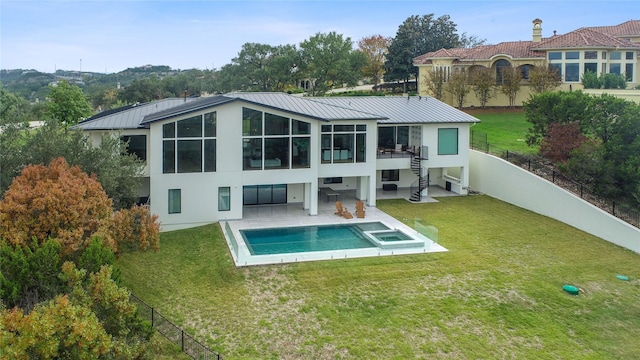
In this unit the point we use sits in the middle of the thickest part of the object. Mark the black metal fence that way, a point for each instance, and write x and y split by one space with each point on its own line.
543 168
186 342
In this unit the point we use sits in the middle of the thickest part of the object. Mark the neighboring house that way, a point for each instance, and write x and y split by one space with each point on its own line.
208 158
603 49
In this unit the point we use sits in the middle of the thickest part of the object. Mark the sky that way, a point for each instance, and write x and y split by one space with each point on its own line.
111 36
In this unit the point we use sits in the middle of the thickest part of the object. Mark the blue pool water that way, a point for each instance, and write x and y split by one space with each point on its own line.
309 238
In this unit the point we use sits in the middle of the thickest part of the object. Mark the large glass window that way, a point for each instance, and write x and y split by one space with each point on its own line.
590 55
344 143
628 55
275 125
501 66
284 143
189 145
276 153
191 127
251 122
557 68
572 55
189 156
628 73
224 198
390 175
572 72
300 152
614 68
390 136
593 67
175 201
448 141
137 145
264 194
615 55
555 55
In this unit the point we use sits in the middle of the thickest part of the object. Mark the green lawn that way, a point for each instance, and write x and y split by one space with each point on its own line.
506 129
496 294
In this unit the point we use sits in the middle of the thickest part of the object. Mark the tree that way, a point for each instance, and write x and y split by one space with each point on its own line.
483 84
329 60
118 171
261 67
458 86
434 80
13 124
29 273
67 104
375 48
58 202
142 91
554 107
418 35
510 83
543 78
62 202
59 329
561 139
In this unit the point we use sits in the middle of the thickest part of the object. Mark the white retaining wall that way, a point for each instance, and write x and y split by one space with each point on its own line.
502 180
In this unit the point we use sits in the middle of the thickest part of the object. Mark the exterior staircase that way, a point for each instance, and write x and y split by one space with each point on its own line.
416 167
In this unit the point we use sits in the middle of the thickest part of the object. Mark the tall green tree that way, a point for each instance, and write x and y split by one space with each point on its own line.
261 67
418 35
67 104
330 61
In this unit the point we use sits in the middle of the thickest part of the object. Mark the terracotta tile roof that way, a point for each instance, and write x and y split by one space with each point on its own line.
584 37
597 37
514 49
627 28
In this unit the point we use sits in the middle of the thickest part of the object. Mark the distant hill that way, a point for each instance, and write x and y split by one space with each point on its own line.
32 84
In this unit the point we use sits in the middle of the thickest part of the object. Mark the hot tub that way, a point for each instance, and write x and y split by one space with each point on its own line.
394 239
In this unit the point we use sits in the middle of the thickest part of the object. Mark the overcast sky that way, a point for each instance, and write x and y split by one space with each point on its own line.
110 36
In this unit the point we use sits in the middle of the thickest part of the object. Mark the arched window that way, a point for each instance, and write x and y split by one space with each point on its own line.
524 70
500 65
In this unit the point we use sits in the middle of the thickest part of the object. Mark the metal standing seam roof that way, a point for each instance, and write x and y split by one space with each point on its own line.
128 117
385 110
402 109
279 101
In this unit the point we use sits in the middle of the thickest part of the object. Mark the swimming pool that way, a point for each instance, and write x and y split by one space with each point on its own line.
300 239
256 243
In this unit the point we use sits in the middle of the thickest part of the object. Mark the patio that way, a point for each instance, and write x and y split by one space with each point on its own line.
289 215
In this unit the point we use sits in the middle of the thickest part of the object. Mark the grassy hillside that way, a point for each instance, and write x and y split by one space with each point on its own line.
506 129
496 294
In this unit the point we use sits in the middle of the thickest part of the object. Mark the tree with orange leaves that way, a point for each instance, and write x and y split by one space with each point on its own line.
375 48
55 201
61 202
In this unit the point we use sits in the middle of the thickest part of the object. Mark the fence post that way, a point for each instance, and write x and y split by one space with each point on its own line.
182 340
613 208
152 311
581 187
553 177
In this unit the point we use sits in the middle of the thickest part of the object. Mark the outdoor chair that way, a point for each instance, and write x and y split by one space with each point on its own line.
340 210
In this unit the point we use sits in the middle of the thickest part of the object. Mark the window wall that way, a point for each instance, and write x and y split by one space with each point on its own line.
189 145
572 64
274 142
137 145
345 143
389 136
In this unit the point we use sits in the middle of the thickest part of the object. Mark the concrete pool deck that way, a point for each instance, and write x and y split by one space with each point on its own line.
289 215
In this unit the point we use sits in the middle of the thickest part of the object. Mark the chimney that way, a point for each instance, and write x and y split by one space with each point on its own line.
537 30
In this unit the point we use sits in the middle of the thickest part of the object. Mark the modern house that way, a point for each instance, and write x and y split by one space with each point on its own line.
603 49
208 158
